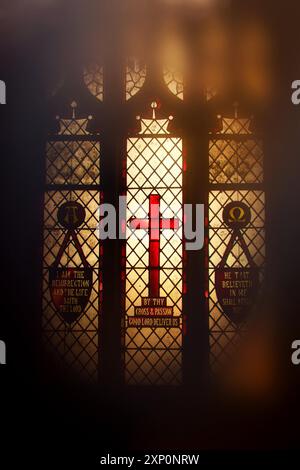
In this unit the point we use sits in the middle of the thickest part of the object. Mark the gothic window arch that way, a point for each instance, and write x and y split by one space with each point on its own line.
169 307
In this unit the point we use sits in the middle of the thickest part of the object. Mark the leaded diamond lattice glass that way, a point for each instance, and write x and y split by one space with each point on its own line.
135 77
174 81
235 174
93 79
154 168
73 174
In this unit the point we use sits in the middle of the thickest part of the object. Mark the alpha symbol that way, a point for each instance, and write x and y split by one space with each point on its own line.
70 287
71 215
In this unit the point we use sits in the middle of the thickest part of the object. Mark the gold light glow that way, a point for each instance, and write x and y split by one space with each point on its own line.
154 165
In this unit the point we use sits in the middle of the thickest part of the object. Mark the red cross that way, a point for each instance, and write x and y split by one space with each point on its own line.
154 224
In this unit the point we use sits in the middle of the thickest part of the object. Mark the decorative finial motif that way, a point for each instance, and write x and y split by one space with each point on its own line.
153 106
154 125
236 125
74 126
73 106
236 105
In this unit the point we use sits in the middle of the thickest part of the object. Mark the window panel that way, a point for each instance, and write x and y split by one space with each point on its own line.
93 79
237 245
210 93
174 81
72 253
235 162
135 77
71 162
154 168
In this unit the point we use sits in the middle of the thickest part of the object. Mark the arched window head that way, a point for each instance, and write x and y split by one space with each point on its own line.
93 79
135 76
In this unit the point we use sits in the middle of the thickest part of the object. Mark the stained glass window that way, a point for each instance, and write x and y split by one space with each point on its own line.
93 79
210 93
71 260
236 250
153 262
135 77
173 61
174 81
